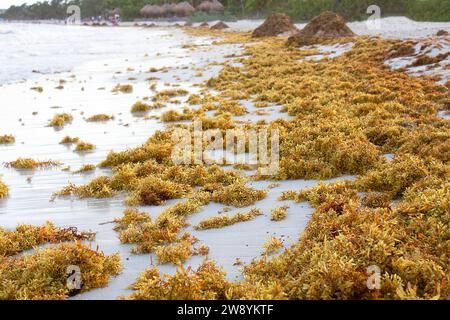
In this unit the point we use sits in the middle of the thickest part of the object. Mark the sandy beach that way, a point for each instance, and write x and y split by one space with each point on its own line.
88 92
77 70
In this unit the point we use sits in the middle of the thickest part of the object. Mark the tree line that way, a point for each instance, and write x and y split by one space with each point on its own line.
299 10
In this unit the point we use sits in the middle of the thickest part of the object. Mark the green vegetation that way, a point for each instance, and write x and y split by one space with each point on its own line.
60 120
431 10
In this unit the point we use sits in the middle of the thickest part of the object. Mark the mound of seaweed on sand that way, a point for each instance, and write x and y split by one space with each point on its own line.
327 25
275 24
219 26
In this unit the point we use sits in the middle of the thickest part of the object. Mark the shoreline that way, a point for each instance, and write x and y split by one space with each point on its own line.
203 59
391 27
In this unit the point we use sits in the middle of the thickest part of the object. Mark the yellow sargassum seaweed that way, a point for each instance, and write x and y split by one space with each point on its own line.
7 138
4 190
224 220
60 120
43 274
347 112
27 237
206 283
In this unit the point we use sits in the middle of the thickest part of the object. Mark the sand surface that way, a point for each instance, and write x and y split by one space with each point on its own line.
92 63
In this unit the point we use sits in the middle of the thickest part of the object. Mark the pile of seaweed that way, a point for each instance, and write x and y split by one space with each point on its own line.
275 24
219 26
44 273
327 25
4 190
394 216
347 113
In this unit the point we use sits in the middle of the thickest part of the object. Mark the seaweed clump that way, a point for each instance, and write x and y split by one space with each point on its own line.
275 24
279 213
124 88
395 177
342 240
181 251
225 220
273 245
165 95
96 188
206 283
60 120
219 26
155 191
143 107
42 275
26 237
7 138
86 168
69 140
28 163
100 117
84 146
327 25
346 112
138 228
4 190
238 195
37 89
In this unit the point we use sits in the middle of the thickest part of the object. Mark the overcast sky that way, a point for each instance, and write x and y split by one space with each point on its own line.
4 4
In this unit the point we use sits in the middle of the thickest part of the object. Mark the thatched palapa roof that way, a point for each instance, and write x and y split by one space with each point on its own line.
210 6
152 11
183 9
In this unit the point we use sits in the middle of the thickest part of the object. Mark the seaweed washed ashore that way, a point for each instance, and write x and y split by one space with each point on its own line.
346 113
